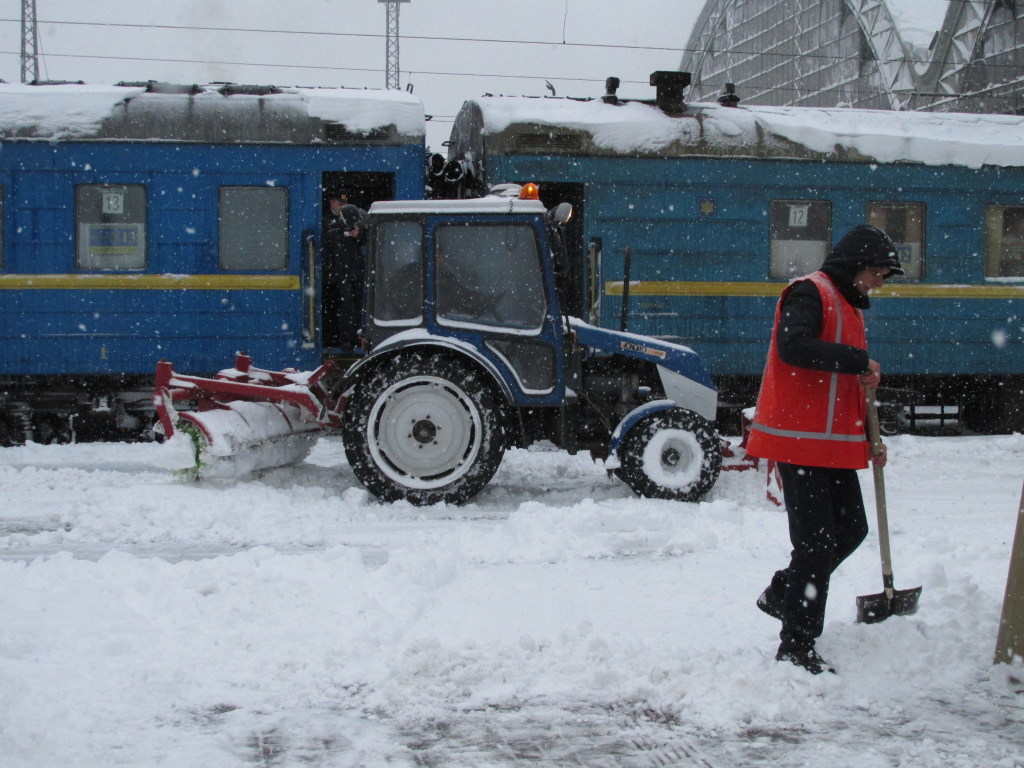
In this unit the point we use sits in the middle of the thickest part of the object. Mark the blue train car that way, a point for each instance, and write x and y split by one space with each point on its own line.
148 221
712 208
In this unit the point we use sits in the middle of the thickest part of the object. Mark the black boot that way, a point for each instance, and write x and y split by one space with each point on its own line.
807 658
771 600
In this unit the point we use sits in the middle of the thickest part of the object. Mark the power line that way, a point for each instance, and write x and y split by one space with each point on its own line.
429 38
445 39
858 93
492 75
321 67
485 40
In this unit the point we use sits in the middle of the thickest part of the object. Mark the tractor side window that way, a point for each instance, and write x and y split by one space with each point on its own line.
253 227
904 223
801 235
1004 241
397 273
489 274
111 224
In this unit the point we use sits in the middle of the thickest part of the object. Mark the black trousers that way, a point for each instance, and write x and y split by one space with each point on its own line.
826 524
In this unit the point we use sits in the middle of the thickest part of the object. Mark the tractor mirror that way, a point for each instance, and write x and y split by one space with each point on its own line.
561 213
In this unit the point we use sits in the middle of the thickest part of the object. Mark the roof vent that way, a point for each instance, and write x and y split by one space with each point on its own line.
670 87
728 97
611 86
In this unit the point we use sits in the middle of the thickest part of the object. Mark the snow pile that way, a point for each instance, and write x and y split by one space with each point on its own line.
556 620
58 111
364 110
918 137
624 128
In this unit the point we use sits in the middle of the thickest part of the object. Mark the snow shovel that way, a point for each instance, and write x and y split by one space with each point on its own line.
891 602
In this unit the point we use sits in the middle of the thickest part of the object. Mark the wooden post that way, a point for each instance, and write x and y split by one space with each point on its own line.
1010 642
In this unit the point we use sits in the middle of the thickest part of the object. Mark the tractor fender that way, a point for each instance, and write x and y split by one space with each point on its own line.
628 422
419 338
688 393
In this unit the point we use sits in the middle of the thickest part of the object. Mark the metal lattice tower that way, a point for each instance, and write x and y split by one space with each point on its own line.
29 42
392 71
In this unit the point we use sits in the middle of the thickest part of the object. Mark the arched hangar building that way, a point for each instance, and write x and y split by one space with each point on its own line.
937 55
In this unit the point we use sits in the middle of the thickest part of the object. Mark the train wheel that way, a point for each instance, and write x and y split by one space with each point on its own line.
424 427
673 454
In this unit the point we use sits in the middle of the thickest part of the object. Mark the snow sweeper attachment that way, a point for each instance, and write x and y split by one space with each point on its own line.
244 419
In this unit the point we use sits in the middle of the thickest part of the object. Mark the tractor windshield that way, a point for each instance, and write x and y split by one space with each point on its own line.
489 274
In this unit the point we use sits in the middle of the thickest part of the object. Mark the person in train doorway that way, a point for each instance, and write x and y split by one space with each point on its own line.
344 271
810 419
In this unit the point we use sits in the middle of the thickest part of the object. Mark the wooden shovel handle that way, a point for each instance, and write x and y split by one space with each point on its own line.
874 433
880 507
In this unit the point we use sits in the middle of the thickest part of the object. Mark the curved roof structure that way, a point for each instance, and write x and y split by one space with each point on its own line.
965 56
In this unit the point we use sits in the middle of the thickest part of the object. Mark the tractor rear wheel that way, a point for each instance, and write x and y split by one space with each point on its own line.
672 454
424 427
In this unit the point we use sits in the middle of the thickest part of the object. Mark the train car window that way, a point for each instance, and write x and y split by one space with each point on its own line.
111 223
1004 241
1 228
397 273
801 235
253 227
904 223
489 275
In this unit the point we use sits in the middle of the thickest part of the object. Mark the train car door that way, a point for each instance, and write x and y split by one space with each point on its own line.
342 296
572 277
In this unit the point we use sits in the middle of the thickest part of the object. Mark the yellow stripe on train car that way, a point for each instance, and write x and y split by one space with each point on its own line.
893 290
87 282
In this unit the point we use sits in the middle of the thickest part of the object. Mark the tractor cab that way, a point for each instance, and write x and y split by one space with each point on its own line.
478 273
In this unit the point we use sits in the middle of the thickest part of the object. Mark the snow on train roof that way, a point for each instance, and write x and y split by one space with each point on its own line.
69 111
58 110
931 138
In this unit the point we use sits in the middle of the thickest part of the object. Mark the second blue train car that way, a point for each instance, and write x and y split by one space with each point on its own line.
711 208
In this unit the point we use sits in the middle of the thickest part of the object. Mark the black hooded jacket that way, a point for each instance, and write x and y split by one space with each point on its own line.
797 337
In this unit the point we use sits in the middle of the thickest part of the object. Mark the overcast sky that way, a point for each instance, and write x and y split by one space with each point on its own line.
450 49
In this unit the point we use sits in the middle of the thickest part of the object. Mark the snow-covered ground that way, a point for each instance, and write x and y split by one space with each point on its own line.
290 620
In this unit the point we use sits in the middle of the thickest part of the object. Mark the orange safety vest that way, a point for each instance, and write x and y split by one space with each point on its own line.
809 417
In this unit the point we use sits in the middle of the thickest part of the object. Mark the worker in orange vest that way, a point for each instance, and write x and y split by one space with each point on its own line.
810 419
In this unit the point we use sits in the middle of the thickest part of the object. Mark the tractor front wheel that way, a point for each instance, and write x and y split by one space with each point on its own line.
672 454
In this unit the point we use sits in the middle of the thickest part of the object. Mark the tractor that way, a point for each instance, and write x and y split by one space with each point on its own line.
466 353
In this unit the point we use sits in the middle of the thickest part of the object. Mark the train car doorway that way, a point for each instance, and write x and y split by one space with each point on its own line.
574 275
346 196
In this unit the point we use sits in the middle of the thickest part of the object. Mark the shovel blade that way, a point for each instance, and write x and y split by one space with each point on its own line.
872 609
